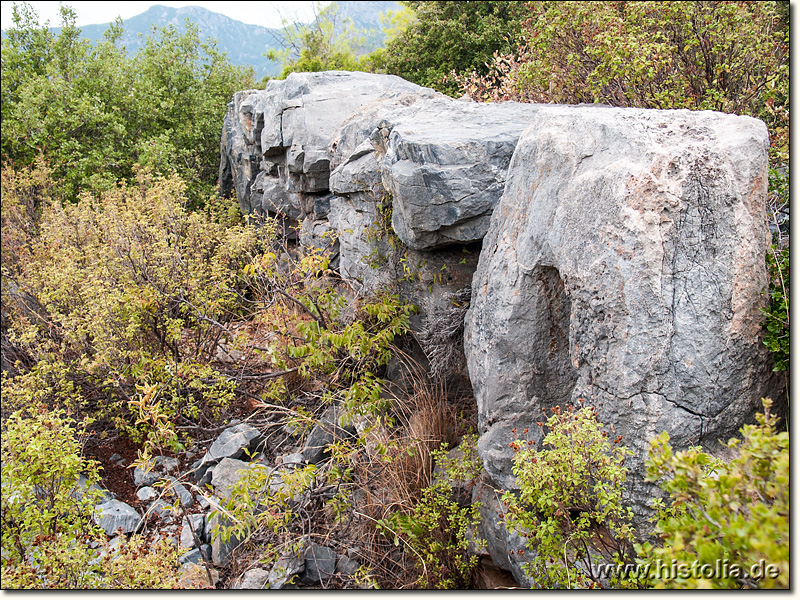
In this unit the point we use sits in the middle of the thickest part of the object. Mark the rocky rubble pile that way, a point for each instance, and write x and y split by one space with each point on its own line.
186 509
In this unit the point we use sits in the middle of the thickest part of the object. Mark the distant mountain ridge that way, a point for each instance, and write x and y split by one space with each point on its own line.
246 45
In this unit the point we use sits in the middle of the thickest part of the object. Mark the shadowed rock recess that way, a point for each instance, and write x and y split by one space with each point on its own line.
620 252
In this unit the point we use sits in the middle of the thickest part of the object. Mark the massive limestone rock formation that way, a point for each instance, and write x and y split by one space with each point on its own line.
274 144
624 266
372 160
442 161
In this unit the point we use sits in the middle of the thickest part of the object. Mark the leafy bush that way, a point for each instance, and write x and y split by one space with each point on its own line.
776 337
49 537
263 504
42 500
734 513
777 314
327 44
123 291
570 504
325 338
451 37
436 532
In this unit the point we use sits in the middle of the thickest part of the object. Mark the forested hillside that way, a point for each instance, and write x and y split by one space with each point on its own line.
194 397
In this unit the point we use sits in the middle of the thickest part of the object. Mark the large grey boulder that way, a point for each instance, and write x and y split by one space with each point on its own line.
285 568
624 265
369 262
239 150
221 550
192 527
442 161
363 250
361 159
331 429
507 548
154 470
234 442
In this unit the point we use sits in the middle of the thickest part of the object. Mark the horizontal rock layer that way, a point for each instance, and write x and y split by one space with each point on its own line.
442 161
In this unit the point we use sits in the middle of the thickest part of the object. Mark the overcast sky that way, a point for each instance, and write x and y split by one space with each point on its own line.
266 14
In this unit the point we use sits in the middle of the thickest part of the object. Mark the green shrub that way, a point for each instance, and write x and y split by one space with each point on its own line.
329 43
263 504
570 504
121 294
776 337
448 37
436 532
344 350
734 513
43 505
49 536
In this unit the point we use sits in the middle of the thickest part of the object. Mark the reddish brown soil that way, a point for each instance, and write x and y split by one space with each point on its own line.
115 478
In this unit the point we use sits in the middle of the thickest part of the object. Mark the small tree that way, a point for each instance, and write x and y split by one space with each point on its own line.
451 37
42 500
326 44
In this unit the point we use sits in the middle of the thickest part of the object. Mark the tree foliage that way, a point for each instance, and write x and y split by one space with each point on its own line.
451 37
328 43
50 538
777 313
93 112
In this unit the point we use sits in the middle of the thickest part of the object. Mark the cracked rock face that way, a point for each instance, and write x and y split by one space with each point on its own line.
275 142
444 162
624 265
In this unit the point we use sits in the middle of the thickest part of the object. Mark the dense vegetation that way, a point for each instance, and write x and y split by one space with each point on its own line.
453 37
128 286
92 113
